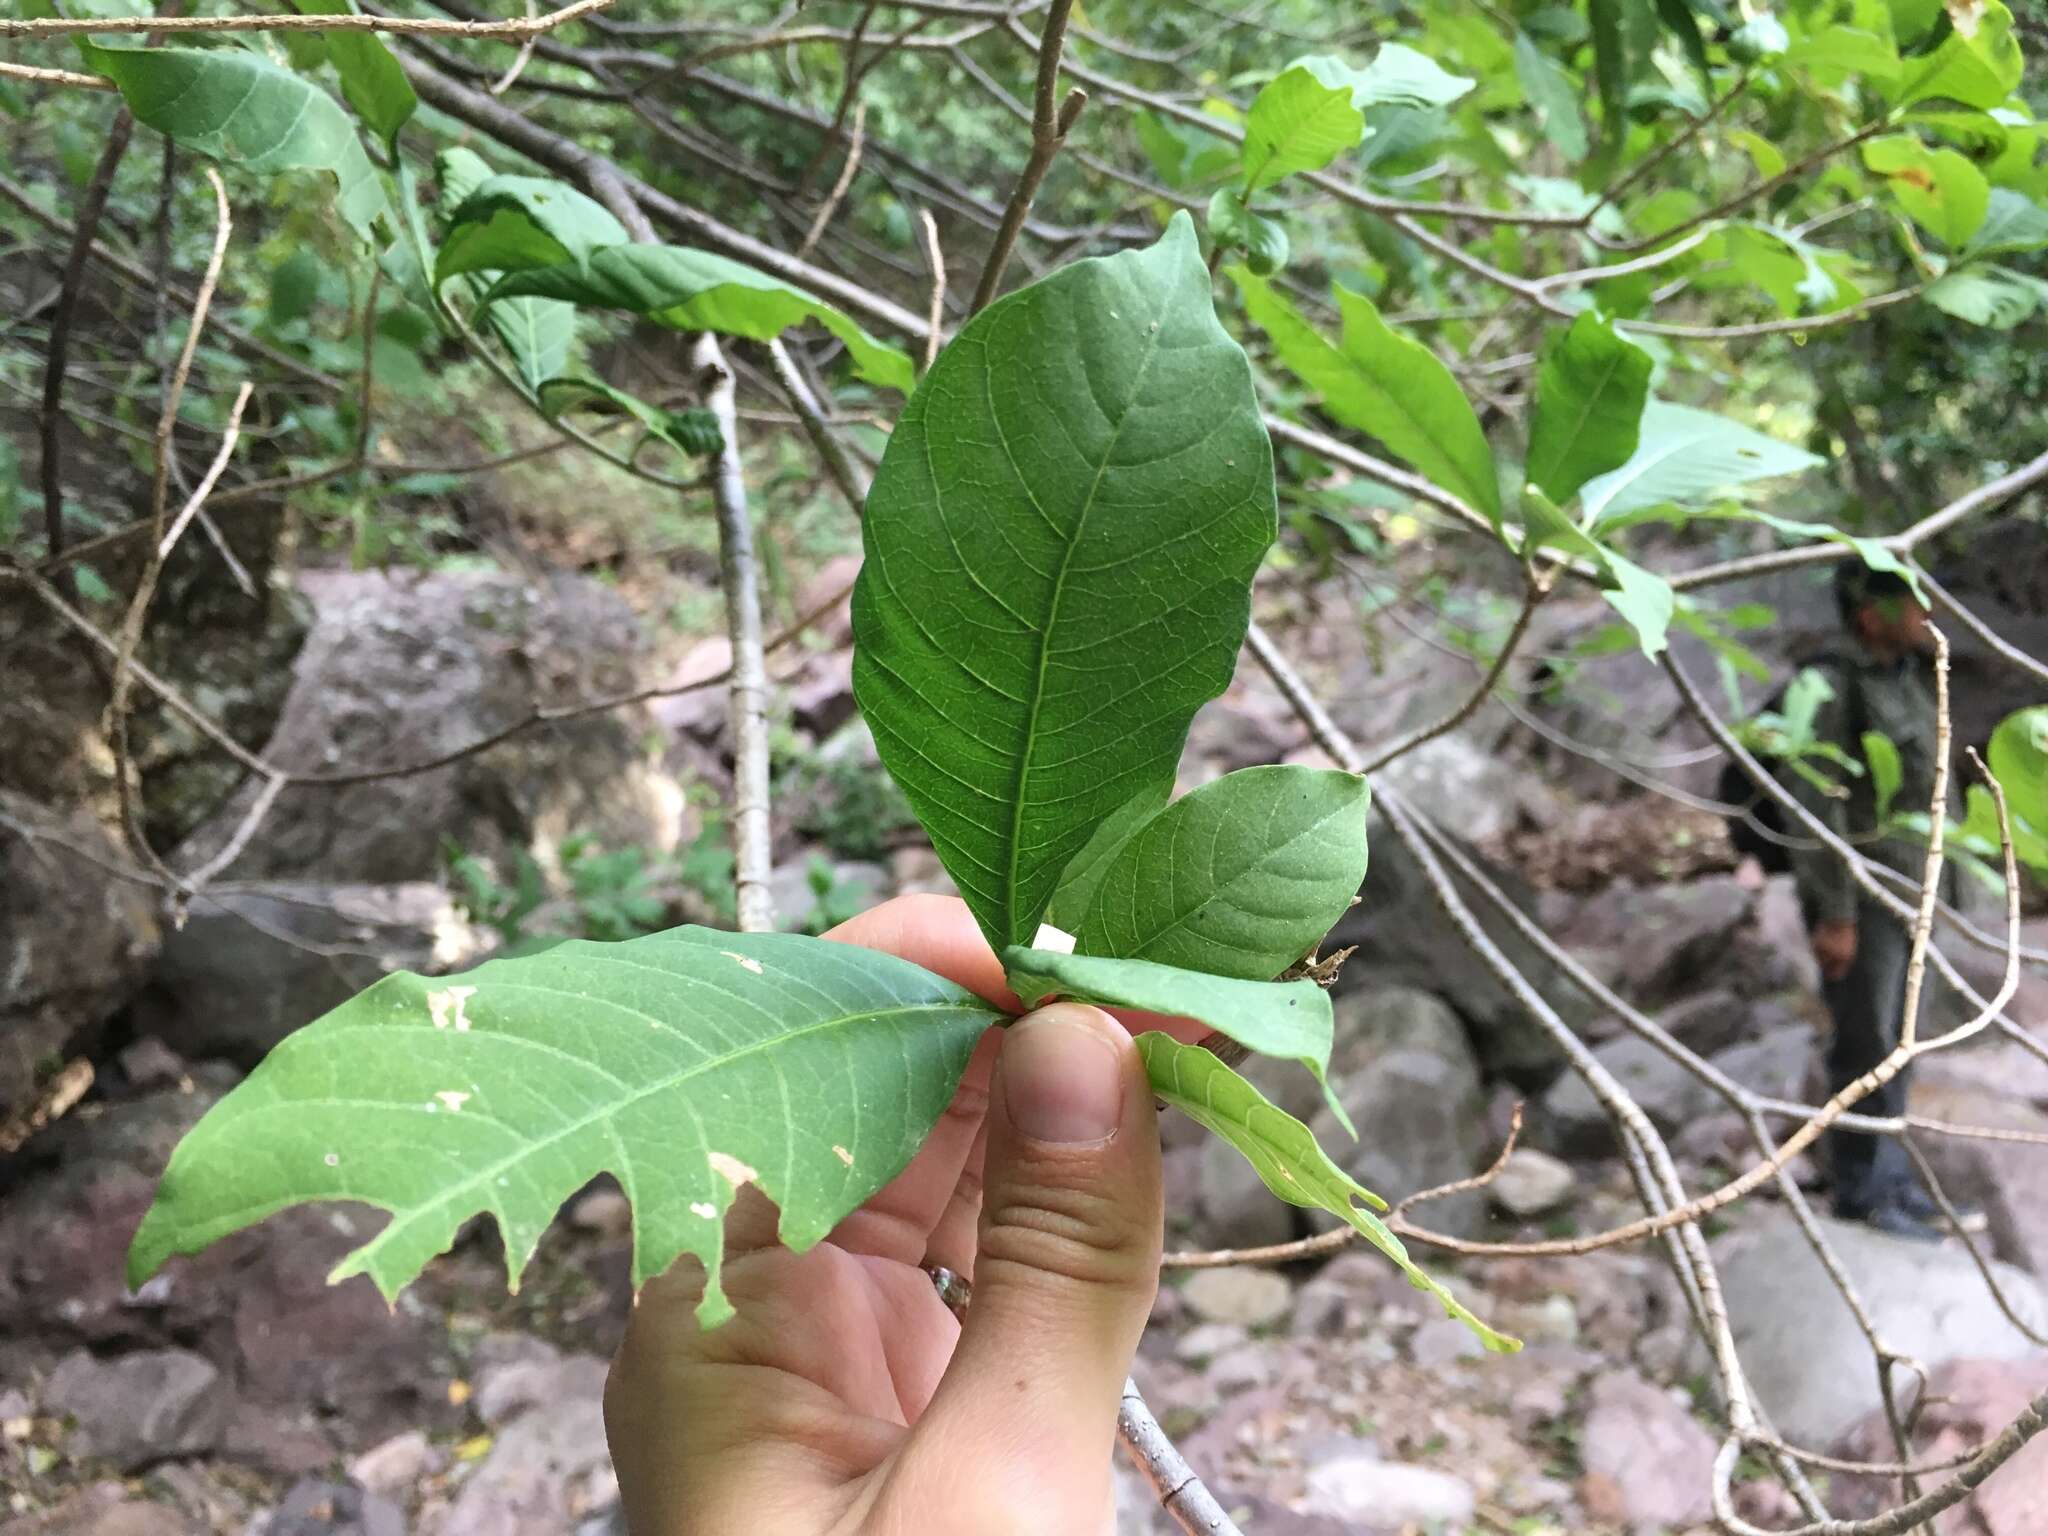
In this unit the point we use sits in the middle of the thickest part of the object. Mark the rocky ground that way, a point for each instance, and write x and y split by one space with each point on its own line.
237 1392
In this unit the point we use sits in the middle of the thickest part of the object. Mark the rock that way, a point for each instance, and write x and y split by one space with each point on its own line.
1403 938
1233 1207
253 964
1205 1341
1406 1075
1552 1320
140 1408
1654 1457
1809 1362
1240 1294
2000 1178
604 1210
548 1468
102 1509
1532 1183
1706 1021
1666 939
505 1391
1668 1091
316 1508
75 942
1375 1495
149 1063
1442 1340
398 669
394 1467
1241 1370
1247 725
1968 1402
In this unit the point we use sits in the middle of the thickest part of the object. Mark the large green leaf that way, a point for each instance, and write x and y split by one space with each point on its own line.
1060 544
247 111
2019 758
2012 222
1938 188
1297 123
1591 386
1288 1019
1978 64
1997 297
539 333
1683 456
1286 1157
515 223
371 77
1241 877
698 291
685 1063
1383 383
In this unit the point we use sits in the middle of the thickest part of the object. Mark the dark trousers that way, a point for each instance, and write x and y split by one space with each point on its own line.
1869 1005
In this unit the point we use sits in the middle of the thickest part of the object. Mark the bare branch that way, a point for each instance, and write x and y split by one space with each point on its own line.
510 31
57 77
1051 119
1180 1492
750 829
846 174
936 324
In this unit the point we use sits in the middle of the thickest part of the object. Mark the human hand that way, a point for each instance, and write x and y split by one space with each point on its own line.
844 1398
1834 946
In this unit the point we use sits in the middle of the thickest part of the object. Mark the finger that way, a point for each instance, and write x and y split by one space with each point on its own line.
1066 1267
956 1233
897 1223
938 933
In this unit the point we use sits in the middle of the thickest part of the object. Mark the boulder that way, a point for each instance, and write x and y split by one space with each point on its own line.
1670 1093
75 942
253 964
1665 940
137 1409
1402 938
2001 1088
548 1468
1352 1484
1649 1463
1244 1295
1808 1360
1968 1403
399 669
1407 1077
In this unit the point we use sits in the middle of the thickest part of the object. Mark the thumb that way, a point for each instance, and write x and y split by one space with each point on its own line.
1067 1263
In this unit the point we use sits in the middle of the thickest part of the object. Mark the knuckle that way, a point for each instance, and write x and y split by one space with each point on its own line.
1077 1234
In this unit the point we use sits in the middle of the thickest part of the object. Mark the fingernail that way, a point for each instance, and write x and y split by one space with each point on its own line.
1063 1081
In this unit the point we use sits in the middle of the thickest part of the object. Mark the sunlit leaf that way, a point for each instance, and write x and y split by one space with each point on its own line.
1297 123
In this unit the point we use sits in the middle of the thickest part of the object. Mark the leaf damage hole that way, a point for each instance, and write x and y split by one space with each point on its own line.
748 962
730 1168
446 1008
843 1155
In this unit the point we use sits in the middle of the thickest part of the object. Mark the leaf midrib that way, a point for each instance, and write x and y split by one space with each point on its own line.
1052 614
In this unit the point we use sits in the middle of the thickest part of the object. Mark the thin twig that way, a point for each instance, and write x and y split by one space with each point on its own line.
520 59
1051 119
1930 874
57 77
1181 1493
750 825
838 193
936 328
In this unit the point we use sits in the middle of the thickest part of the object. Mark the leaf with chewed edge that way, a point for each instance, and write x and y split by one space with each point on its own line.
685 1063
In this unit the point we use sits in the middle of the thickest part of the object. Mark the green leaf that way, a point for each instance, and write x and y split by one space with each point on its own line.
539 333
2019 759
1686 456
1642 598
685 1063
247 111
1291 1020
1060 545
1396 77
1297 123
1886 772
294 287
458 172
1553 94
1285 1156
517 223
1240 877
1759 38
1913 19
1076 890
1610 69
371 78
1979 67
1590 389
1679 21
1385 384
1938 188
1837 52
1997 297
1234 227
2011 223
691 432
698 291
